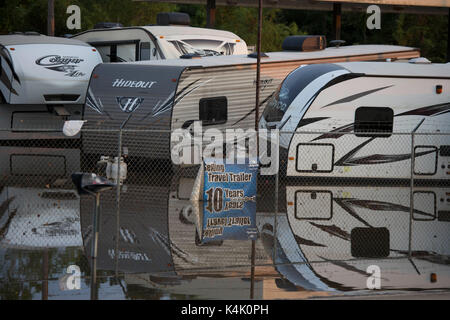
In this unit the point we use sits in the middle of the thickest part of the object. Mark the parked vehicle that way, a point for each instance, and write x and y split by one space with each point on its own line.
171 38
43 83
166 95
355 120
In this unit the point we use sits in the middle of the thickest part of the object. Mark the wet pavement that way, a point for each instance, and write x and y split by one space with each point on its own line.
153 246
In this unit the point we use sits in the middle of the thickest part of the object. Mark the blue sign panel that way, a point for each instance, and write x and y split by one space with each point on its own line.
229 206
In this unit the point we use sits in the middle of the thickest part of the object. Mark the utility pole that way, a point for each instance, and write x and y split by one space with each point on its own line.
448 36
210 13
337 12
258 77
51 18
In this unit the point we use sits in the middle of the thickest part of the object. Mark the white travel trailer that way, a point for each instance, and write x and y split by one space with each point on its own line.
43 82
171 38
354 120
171 94
333 234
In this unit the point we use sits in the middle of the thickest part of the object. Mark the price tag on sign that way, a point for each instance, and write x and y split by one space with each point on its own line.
229 200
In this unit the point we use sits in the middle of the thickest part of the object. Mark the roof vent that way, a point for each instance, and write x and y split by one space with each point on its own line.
173 18
337 43
304 43
190 56
255 55
107 25
420 60
32 33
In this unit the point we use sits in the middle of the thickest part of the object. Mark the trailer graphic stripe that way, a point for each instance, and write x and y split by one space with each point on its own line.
356 96
430 111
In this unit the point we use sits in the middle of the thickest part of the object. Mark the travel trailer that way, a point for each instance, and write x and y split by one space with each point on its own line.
43 83
355 120
165 95
330 236
171 38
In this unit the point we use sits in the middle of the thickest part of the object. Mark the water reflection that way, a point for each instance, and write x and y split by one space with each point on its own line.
338 232
320 240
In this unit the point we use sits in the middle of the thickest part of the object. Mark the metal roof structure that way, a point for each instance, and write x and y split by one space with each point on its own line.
387 6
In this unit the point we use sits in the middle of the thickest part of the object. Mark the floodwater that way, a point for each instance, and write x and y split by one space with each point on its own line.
312 241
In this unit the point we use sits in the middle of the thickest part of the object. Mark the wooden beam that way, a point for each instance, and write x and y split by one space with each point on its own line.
210 13
448 36
337 13
51 18
425 3
327 5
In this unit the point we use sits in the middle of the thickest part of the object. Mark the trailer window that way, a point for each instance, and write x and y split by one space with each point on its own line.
117 51
374 121
148 51
213 110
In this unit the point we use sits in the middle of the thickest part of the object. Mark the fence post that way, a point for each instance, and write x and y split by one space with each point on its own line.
411 195
119 156
411 191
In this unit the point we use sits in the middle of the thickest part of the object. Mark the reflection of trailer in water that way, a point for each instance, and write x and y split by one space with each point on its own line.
34 218
336 233
353 112
158 232
43 83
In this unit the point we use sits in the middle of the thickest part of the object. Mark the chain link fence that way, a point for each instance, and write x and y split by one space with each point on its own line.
336 204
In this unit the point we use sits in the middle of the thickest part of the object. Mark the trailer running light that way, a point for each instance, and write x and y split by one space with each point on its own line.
12 49
94 50
290 203
433 277
161 37
291 158
439 89
237 40
95 76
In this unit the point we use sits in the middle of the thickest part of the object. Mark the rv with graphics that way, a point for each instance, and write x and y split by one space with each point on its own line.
329 236
171 38
165 95
43 82
355 120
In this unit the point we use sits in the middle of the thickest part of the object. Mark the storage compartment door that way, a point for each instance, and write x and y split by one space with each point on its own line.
314 157
425 162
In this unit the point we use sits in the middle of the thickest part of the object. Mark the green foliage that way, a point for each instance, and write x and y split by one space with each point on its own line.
426 32
429 33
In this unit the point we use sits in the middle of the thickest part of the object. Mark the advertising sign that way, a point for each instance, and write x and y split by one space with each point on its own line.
229 201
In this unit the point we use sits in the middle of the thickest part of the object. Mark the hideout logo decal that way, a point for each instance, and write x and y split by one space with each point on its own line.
129 104
66 64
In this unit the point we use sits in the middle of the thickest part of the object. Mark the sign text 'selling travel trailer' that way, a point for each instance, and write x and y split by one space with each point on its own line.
172 38
220 92
353 112
43 82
